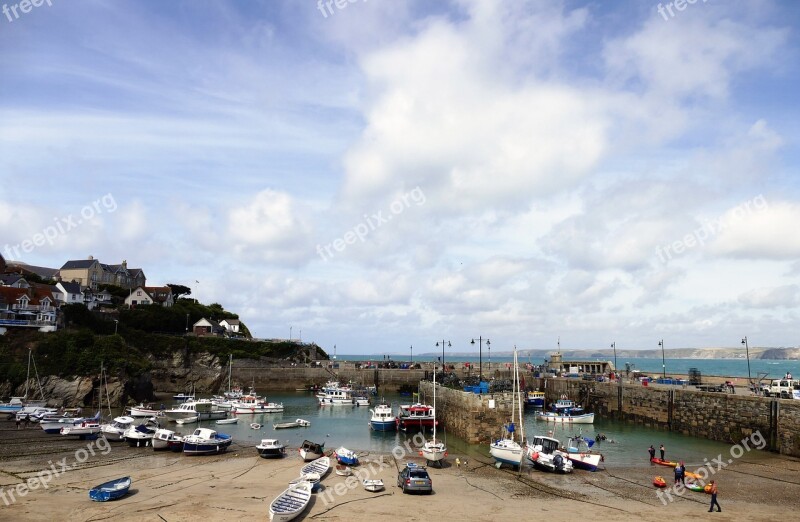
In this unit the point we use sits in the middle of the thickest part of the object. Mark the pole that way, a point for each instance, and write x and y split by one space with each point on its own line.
290 333
663 362
747 352
412 355
614 346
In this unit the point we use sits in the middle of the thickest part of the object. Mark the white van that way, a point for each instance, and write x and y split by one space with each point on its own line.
783 388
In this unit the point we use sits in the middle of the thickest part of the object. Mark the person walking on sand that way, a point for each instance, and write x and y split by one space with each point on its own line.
714 497
678 470
652 451
661 449
683 473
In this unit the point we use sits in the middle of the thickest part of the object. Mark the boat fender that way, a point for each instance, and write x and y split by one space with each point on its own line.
535 456
420 453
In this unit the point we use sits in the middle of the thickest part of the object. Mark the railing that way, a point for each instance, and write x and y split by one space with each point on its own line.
40 308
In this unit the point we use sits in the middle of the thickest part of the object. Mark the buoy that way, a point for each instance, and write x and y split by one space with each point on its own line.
535 456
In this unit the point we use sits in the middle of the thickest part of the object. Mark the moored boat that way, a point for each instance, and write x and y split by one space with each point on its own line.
534 399
543 452
271 448
321 466
382 418
205 441
145 410
141 435
346 456
311 450
89 428
289 504
415 416
232 420
253 404
580 453
188 420
568 418
311 478
204 409
51 424
115 430
110 490
373 485
507 450
164 439
299 423
433 450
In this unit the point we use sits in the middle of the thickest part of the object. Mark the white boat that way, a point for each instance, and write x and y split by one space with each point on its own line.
360 400
255 426
382 418
34 413
343 471
549 416
115 430
544 453
233 420
204 409
205 441
51 424
141 435
373 485
311 478
434 450
336 397
164 439
15 404
299 423
87 428
143 410
321 466
580 453
271 448
188 420
346 456
289 504
507 450
311 450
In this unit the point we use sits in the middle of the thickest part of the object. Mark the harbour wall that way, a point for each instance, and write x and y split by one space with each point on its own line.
287 378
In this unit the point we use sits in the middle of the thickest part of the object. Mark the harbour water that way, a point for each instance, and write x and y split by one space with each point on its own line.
348 426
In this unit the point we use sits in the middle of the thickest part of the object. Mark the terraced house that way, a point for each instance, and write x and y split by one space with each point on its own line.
92 273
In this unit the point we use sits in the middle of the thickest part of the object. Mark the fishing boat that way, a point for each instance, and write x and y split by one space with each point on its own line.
205 441
320 466
659 482
253 404
164 439
271 448
346 456
89 428
289 504
373 485
188 420
115 430
534 399
311 450
415 416
543 452
299 423
580 453
567 418
111 490
203 409
183 397
144 410
434 450
382 418
507 450
343 471
141 435
336 397
564 404
232 420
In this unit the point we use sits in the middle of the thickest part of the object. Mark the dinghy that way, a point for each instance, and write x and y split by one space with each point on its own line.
374 485
343 471
234 420
188 420
311 478
320 466
289 504
255 426
111 490
346 456
311 450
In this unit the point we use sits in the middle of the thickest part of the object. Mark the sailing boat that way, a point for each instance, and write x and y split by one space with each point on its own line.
433 450
16 404
507 450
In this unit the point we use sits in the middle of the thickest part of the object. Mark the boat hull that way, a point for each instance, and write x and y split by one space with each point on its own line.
384 425
586 418
506 455
206 448
585 461
112 490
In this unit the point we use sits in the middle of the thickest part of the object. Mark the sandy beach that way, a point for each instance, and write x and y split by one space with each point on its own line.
240 485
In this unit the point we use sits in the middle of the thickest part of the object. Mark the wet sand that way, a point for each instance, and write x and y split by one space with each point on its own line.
239 485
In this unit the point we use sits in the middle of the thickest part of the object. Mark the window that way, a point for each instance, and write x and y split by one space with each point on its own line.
138 292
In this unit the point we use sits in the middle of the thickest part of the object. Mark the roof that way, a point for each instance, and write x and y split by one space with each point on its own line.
230 321
10 279
78 264
35 294
158 293
71 287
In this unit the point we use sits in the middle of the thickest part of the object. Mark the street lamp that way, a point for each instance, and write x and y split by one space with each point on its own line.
480 355
116 323
448 344
614 346
663 363
334 351
187 323
747 351
412 354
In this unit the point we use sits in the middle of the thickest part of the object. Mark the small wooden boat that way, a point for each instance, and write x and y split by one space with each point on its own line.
659 482
234 420
188 420
111 490
374 485
320 466
289 504
255 426
343 470
311 478
285 425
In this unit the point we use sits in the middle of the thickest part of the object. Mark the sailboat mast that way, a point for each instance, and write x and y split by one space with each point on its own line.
519 393
434 403
28 378
230 365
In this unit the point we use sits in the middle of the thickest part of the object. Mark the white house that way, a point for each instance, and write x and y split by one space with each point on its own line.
207 327
147 295
231 325
69 293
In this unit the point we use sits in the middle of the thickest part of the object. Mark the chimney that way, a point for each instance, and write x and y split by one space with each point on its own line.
91 258
124 264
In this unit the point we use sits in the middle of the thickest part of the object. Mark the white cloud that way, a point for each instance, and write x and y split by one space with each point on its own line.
775 297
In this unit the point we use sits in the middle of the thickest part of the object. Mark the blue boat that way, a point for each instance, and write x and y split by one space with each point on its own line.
205 441
110 490
534 399
346 457
382 418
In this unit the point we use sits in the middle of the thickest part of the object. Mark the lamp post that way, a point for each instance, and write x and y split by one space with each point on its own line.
116 323
480 356
747 352
187 323
412 354
448 344
614 346
663 363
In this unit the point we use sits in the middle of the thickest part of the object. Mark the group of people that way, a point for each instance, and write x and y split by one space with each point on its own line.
680 476
788 375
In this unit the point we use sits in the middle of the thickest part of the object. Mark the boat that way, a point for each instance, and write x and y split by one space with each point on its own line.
336 397
12 406
141 435
506 450
382 418
311 450
16 404
659 482
271 448
188 420
360 400
232 393
534 399
255 426
183 397
343 471
111 490
204 409
345 456
89 428
549 416
116 429
694 486
434 450
311 478
164 439
580 453
563 404
373 485
144 410
205 441
34 413
299 423
53 424
253 404
320 466
662 462
232 420
543 452
415 416
289 504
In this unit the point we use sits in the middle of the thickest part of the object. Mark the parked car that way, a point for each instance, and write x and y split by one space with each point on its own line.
782 388
414 478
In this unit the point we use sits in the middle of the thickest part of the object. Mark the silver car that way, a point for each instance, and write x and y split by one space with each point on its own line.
414 478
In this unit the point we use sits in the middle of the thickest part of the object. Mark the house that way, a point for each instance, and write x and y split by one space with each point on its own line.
147 295
70 293
231 325
92 273
14 281
33 307
207 327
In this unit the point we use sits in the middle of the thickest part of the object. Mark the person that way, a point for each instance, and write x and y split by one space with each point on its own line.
788 375
661 449
18 422
652 452
677 474
458 462
27 420
714 497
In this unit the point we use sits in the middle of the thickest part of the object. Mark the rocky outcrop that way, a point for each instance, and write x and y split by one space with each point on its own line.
76 391
781 353
183 371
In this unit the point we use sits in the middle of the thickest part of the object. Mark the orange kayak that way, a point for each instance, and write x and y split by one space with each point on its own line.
660 462
660 482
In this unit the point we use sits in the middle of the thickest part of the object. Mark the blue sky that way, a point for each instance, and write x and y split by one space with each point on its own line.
396 172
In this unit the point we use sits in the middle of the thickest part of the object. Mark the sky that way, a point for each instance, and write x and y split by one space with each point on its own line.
376 175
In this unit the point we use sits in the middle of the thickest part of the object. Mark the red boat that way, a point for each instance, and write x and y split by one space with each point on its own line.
659 482
415 416
660 462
